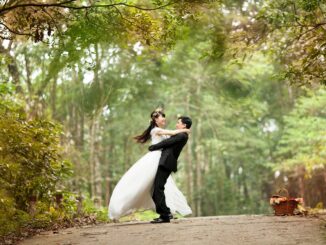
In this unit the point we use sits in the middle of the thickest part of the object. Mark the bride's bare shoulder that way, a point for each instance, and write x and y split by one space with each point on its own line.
155 130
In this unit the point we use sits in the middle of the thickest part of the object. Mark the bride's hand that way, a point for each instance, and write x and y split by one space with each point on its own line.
186 130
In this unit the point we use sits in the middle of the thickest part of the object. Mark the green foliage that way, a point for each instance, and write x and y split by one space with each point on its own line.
292 32
30 167
6 88
7 212
30 158
141 215
89 208
309 5
303 141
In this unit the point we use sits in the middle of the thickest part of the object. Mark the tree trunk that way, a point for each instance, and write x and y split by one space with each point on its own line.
97 168
188 158
91 156
12 67
198 153
95 165
199 159
95 146
28 76
108 190
80 114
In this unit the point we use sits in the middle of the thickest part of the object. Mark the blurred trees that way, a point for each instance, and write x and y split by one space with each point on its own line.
292 31
301 151
216 62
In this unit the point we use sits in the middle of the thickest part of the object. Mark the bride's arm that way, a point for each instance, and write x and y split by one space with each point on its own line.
172 132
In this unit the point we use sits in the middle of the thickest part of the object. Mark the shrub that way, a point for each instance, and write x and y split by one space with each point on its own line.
30 167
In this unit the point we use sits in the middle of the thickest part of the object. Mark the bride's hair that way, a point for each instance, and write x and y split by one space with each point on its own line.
146 135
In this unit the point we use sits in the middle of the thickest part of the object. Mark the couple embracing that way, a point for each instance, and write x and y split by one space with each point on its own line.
148 184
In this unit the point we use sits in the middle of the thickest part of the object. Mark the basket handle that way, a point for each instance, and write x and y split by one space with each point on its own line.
284 190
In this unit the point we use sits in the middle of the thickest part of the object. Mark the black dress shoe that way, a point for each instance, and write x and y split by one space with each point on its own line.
170 217
160 220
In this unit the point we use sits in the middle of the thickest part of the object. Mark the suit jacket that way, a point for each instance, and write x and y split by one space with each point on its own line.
171 149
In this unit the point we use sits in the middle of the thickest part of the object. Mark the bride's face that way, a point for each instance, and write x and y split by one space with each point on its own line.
160 121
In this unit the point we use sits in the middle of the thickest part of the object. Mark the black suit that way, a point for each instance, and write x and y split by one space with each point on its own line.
171 149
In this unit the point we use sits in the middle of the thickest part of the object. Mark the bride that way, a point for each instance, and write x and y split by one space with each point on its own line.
135 188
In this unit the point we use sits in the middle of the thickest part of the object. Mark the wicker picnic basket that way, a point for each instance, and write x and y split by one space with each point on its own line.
283 205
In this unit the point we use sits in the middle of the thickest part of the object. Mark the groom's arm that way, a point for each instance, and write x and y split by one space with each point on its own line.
168 142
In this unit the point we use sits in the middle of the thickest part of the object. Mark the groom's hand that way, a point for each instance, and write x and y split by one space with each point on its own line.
151 148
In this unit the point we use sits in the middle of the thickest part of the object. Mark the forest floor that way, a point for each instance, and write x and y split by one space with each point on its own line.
239 229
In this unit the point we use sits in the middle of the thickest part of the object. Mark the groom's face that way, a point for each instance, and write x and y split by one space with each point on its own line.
180 125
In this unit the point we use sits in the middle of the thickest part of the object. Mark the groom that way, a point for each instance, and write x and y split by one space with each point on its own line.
171 149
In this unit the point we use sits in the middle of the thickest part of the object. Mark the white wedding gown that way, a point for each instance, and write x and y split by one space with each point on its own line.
135 188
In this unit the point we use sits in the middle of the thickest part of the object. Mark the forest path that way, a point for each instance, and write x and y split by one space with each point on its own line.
238 229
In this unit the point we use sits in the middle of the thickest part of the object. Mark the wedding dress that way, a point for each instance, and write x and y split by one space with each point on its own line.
134 190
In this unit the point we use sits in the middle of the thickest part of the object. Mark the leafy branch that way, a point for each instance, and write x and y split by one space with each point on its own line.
46 16
5 9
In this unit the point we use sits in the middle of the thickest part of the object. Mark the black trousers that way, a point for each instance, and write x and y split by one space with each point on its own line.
158 194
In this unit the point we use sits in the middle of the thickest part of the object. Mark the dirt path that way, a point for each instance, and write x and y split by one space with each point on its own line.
246 229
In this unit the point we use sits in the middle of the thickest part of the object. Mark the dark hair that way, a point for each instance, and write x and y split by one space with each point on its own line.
186 120
146 135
